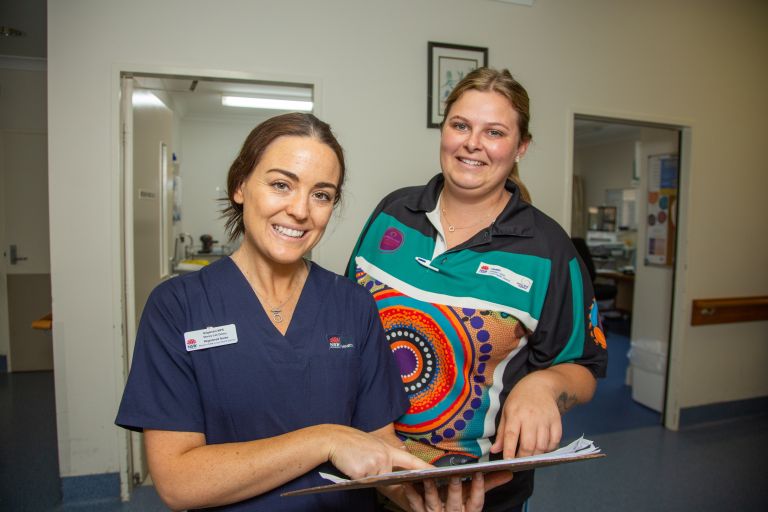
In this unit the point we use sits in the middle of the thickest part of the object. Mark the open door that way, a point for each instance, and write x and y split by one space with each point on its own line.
624 206
136 468
147 126
166 120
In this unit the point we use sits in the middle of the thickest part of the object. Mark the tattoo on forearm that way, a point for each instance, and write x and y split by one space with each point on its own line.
565 402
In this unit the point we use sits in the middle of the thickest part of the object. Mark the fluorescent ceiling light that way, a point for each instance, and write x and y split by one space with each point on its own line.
249 102
145 99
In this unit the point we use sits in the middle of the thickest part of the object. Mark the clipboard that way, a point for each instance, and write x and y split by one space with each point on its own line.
579 450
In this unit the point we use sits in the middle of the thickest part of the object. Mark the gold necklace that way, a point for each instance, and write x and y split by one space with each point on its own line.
277 311
453 228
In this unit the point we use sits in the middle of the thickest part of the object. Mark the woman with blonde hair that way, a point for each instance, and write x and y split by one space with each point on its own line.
486 305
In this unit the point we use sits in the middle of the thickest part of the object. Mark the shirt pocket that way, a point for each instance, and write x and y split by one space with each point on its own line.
334 377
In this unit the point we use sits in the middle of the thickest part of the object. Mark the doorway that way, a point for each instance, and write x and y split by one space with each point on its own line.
178 141
624 208
25 274
30 467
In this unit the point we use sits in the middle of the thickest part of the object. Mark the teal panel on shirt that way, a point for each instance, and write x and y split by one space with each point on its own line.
575 347
393 248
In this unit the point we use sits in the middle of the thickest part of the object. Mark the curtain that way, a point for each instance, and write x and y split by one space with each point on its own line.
578 209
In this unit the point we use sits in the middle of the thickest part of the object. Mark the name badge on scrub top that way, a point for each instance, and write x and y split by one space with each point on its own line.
210 337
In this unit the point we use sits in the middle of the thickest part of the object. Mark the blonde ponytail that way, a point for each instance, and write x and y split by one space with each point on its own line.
514 176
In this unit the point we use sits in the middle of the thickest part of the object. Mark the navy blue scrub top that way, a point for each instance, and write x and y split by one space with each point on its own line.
332 366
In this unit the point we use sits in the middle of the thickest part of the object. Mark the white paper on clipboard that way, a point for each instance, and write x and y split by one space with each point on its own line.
580 449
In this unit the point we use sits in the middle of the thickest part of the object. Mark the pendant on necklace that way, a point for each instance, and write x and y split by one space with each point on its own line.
451 228
276 316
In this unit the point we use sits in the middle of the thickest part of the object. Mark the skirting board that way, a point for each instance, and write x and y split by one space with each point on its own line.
690 416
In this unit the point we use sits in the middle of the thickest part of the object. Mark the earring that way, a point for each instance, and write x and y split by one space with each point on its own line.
517 159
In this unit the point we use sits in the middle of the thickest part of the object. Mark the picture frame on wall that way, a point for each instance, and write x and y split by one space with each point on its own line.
447 65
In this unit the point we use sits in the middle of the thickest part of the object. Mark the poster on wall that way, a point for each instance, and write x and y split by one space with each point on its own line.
662 198
176 199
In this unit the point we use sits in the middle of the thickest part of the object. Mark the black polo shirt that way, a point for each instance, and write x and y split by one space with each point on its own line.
466 324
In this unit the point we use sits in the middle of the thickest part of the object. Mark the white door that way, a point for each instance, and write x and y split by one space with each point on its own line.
25 290
136 468
147 132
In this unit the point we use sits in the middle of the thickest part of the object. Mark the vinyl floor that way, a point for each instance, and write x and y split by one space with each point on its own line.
712 467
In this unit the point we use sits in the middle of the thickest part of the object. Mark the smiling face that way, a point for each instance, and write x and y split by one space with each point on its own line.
479 142
288 199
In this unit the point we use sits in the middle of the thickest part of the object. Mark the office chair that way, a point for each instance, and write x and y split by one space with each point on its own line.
605 293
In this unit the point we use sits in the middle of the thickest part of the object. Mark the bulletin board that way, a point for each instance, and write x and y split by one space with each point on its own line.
663 171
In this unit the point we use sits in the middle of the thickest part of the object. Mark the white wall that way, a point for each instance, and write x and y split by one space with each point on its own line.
603 167
208 147
699 64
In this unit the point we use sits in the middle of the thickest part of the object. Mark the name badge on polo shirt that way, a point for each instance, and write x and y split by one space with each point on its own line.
210 337
504 274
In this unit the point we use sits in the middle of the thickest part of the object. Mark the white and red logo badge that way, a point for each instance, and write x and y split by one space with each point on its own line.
336 341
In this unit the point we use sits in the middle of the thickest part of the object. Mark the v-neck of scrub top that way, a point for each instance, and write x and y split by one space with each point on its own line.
280 347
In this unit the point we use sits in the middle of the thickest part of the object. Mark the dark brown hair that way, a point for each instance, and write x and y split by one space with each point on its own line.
502 82
287 125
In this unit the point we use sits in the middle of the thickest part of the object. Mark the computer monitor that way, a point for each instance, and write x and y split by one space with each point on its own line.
602 218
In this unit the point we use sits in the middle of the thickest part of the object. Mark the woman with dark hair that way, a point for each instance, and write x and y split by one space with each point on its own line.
485 302
252 372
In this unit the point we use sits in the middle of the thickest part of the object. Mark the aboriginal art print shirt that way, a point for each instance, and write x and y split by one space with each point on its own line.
465 324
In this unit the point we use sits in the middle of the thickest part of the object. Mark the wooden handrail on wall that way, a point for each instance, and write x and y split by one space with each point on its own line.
723 311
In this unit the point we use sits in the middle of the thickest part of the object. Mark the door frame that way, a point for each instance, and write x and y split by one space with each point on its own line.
680 310
5 328
124 327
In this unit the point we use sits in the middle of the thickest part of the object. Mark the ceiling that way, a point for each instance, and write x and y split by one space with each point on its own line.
587 132
200 97
201 100
29 17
